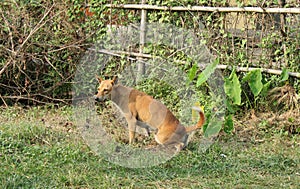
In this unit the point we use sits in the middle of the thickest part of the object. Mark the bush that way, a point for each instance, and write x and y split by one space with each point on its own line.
41 44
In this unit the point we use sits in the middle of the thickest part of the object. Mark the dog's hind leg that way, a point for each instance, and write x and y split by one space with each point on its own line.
143 128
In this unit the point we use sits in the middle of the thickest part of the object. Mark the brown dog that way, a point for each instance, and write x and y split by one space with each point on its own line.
141 109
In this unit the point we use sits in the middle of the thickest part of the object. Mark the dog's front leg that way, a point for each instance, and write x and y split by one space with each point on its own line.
131 127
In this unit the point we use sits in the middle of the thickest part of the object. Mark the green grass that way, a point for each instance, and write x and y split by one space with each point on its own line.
40 148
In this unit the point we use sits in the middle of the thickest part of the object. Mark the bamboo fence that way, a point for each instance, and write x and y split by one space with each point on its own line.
141 65
143 7
207 9
136 56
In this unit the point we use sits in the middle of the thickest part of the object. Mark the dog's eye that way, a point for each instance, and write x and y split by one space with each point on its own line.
105 91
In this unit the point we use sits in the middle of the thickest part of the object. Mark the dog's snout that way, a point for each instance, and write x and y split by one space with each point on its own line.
95 97
99 99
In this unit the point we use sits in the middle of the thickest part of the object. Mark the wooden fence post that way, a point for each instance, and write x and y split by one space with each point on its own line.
140 64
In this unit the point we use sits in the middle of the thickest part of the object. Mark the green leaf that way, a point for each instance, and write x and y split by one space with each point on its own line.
254 78
229 125
229 106
213 128
192 72
265 89
232 88
207 72
284 74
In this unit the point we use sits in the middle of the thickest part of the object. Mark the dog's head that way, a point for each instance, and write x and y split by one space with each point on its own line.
105 88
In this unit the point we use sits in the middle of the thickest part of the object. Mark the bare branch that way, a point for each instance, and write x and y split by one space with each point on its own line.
35 29
5 66
35 100
10 32
53 67
3 101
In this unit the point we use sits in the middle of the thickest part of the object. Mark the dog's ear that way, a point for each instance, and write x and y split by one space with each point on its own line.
99 78
115 80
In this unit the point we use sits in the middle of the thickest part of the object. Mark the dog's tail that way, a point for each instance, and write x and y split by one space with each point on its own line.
200 122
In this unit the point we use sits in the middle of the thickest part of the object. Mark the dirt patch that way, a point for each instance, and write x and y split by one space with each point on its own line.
254 125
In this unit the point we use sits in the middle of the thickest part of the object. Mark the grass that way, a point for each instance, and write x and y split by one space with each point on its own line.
41 148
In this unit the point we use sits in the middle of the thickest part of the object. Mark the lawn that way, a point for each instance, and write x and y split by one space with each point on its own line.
40 147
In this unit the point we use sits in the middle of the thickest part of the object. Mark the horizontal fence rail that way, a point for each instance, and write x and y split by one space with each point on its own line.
135 56
207 9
